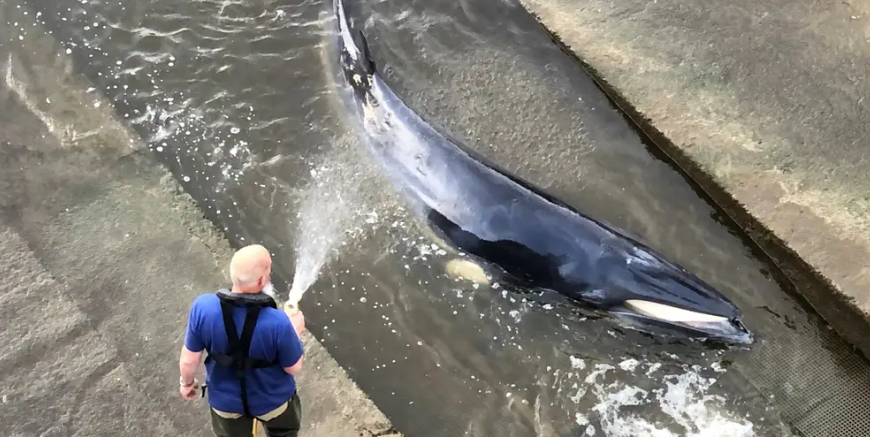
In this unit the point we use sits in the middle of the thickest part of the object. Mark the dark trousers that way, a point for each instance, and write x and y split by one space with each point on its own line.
285 425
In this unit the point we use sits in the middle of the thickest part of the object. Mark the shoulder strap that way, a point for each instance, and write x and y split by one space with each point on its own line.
233 349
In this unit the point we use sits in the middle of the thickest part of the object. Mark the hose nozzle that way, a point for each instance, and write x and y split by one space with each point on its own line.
291 307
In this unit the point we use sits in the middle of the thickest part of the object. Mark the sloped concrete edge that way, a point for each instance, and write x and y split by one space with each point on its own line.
812 263
80 134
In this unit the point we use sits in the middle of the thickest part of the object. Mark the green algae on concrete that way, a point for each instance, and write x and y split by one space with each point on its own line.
763 103
103 254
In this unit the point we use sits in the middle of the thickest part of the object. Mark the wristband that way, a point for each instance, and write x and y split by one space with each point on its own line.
181 381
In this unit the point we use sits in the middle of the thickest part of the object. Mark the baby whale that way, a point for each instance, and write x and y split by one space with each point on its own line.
521 234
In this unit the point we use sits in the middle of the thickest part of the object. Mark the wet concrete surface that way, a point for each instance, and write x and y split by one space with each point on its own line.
769 99
102 254
237 99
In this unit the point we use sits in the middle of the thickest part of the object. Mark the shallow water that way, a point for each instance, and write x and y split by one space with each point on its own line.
238 99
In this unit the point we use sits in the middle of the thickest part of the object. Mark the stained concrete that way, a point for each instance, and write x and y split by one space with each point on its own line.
102 255
764 102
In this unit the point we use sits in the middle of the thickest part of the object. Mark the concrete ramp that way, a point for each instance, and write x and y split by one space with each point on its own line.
102 256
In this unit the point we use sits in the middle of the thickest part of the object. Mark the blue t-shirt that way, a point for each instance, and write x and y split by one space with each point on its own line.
274 337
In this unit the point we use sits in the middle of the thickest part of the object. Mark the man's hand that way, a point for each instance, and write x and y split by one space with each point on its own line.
189 393
296 318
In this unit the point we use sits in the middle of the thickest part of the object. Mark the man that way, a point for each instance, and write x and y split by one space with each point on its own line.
254 352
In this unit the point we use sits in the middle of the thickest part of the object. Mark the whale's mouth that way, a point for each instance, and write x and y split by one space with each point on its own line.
671 314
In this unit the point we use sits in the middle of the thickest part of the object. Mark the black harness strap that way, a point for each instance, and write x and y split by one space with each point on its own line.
237 357
242 352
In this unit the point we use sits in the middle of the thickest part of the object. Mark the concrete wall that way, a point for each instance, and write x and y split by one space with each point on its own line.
763 102
102 255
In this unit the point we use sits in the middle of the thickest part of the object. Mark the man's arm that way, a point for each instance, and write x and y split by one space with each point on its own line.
187 364
290 348
294 369
191 351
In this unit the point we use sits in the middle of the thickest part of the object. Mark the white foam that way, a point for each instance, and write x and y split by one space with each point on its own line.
682 400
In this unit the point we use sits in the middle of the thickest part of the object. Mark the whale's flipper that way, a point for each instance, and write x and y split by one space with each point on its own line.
671 313
466 269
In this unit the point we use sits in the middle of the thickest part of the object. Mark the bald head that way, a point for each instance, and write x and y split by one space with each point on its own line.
250 269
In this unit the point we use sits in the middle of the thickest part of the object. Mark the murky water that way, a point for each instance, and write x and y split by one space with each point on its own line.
237 98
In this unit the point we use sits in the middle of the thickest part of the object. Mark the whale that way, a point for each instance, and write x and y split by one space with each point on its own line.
519 233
